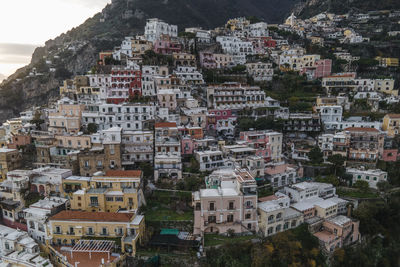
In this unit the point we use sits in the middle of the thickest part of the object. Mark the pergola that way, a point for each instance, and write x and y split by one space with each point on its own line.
93 246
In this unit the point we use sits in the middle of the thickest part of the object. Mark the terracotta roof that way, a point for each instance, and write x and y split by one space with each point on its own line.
360 129
68 215
165 124
121 173
393 116
268 198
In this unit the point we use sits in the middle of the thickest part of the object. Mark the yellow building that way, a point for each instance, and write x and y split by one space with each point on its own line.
113 192
139 47
73 141
388 61
237 24
10 159
386 86
67 227
391 124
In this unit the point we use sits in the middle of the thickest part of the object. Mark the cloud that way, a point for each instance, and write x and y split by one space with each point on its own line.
2 77
91 3
17 49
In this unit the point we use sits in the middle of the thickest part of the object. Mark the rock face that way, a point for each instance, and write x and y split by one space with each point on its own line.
75 52
309 8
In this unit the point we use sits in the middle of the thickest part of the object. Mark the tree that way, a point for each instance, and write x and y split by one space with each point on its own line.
362 185
383 186
315 155
92 128
337 161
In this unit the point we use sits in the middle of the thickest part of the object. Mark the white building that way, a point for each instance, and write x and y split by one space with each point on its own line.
260 71
308 190
167 166
137 146
259 29
330 113
189 75
37 214
18 249
155 28
235 46
210 160
371 176
281 174
275 215
127 116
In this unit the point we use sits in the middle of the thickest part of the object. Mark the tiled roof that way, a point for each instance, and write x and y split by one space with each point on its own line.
360 129
165 124
68 215
394 116
121 173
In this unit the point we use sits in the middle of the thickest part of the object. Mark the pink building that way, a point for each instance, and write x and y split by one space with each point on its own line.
268 144
322 68
337 232
19 140
167 46
207 60
228 203
221 121
390 155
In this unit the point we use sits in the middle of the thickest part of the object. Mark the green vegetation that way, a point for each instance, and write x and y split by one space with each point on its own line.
381 231
246 123
32 198
316 156
295 247
215 239
356 193
168 206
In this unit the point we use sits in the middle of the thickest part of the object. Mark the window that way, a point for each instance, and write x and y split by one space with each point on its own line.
109 198
248 216
119 199
229 218
231 205
212 206
58 230
104 231
90 231
198 206
212 219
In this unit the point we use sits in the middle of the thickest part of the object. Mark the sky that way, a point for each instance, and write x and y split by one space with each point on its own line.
27 24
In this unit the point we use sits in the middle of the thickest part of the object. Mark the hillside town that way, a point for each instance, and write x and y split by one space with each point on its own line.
180 140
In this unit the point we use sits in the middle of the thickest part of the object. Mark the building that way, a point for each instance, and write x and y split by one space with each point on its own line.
126 83
155 28
260 71
10 159
337 232
229 203
268 144
338 83
302 122
68 227
275 215
372 177
18 249
210 160
281 174
237 97
309 190
38 213
391 124
113 191
67 117
366 144
386 86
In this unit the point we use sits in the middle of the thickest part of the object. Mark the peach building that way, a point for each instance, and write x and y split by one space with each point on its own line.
228 203
337 232
67 117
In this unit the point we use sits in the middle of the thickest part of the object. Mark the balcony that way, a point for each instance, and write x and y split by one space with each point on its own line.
94 204
71 233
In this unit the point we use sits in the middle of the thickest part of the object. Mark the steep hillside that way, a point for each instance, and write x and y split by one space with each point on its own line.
308 8
76 51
